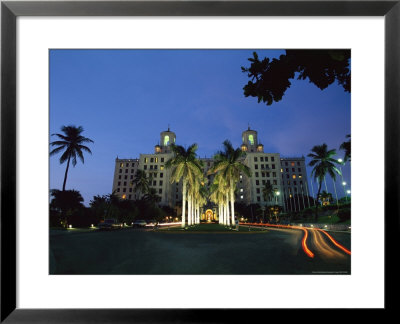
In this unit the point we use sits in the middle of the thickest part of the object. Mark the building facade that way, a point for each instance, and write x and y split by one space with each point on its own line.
287 176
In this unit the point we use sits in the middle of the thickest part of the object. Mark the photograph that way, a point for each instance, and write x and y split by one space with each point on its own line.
199 161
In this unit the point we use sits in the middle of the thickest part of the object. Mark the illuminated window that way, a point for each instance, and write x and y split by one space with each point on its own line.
281 170
146 160
241 197
166 140
300 176
123 196
251 139
292 163
121 165
294 176
241 189
156 159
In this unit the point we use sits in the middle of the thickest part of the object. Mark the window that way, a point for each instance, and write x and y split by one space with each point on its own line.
127 164
251 139
255 159
266 159
256 173
241 197
261 159
124 183
275 182
272 159
151 160
298 163
258 190
160 182
298 169
294 176
176 196
154 183
130 196
281 170
273 166
151 167
300 176
130 189
154 175
132 170
119 183
267 174
125 177
124 190
166 140
162 159
258 198
120 170
146 160
263 182
257 182
126 170
274 174
160 191
293 170
292 163
156 159
131 177
241 189
161 167
295 183
256 166
117 189
155 167
287 170
161 175
288 182
119 177
145 167
123 196
286 163
287 176
263 174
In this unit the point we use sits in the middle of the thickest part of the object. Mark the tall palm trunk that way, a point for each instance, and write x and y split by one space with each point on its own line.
189 209
316 207
66 173
232 204
227 207
184 203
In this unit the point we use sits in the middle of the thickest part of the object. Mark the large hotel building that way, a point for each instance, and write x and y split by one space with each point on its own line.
287 175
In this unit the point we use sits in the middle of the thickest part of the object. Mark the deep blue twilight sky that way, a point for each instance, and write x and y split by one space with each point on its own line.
124 98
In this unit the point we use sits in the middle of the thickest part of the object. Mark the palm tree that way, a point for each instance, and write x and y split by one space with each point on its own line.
230 165
151 196
346 147
323 164
325 197
141 182
71 143
268 191
184 167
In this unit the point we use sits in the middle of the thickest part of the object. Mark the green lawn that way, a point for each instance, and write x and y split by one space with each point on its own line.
209 228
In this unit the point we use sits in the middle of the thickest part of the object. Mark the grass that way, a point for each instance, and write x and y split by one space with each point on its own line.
210 228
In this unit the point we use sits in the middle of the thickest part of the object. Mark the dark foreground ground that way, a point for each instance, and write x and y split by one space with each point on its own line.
130 251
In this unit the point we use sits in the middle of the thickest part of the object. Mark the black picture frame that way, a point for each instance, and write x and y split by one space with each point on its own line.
10 10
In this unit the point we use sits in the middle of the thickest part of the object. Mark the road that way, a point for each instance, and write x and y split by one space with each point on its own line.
128 251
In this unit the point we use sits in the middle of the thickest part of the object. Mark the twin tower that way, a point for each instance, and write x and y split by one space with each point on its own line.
249 142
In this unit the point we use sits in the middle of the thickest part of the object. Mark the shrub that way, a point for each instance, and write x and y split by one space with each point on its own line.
344 214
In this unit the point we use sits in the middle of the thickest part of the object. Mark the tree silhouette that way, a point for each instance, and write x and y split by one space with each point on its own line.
346 147
270 78
71 142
